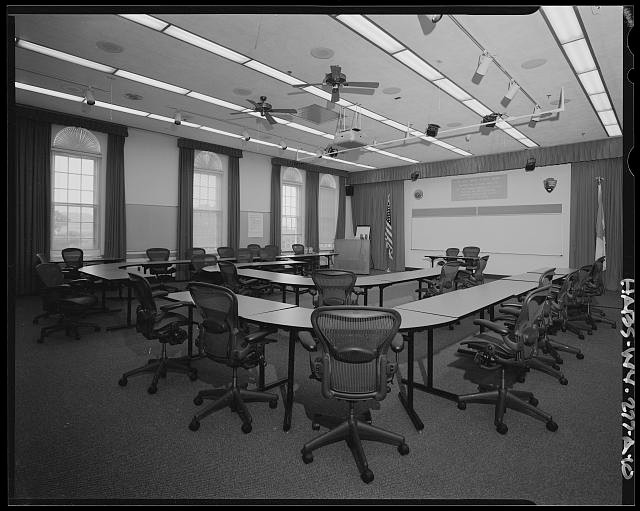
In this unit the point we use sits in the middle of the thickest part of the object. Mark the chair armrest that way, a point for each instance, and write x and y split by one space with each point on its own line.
174 305
307 341
512 311
491 326
82 282
254 337
397 344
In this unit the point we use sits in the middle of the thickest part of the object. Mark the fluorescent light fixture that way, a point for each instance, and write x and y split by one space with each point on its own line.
160 118
215 101
147 21
173 120
365 28
607 117
451 88
414 62
343 102
483 63
318 92
461 151
150 81
366 112
205 44
48 92
190 124
592 82
64 56
580 56
564 22
306 128
270 71
600 102
477 107
302 151
329 136
503 125
613 130
513 88
395 125
226 133
528 143
515 133
391 155
124 109
262 142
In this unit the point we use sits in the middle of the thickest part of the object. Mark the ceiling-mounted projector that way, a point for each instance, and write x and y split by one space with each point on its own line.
350 139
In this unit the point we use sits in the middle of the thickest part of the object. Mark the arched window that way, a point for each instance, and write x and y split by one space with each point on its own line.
208 201
76 156
327 211
292 214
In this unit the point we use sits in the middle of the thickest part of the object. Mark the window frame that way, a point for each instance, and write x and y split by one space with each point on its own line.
299 185
334 209
222 175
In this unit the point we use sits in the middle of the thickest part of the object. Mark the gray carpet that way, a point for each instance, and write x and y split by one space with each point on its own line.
78 435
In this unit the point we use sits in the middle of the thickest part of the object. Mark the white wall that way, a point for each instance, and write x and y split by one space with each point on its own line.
523 188
255 196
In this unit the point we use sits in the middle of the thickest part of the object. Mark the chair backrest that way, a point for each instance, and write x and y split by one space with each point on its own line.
158 254
42 257
73 257
529 323
448 275
596 275
297 248
229 274
146 311
452 251
547 277
274 248
478 273
199 261
50 274
334 286
226 252
268 254
195 251
470 251
255 249
218 332
355 342
244 255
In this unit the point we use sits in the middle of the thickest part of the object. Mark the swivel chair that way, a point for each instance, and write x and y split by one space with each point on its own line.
451 255
40 258
472 253
223 341
591 287
191 253
254 248
241 286
244 255
226 252
446 282
355 367
466 278
162 271
163 325
73 260
564 306
274 248
268 253
508 350
199 274
297 248
69 300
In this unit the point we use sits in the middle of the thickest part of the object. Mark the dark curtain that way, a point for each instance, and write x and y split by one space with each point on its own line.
275 224
307 167
51 117
584 206
185 207
206 146
312 186
32 198
115 224
369 204
234 203
342 201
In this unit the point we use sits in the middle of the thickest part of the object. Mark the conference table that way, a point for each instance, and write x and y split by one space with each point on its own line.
557 271
459 257
311 258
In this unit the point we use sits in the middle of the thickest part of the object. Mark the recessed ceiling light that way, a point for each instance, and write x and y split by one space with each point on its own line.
242 92
322 53
132 96
391 90
533 63
109 47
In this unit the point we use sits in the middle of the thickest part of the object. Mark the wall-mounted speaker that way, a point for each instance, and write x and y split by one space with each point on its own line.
415 176
530 165
348 190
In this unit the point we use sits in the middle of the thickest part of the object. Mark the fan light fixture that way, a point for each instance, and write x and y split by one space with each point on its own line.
483 63
536 110
512 90
89 97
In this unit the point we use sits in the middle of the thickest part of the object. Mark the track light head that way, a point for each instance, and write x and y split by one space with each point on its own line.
246 136
435 18
283 144
483 63
432 130
177 119
535 117
511 91
89 98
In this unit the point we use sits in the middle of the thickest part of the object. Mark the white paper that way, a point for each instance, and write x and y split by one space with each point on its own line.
255 225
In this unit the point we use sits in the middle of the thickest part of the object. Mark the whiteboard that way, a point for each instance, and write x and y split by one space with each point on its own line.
539 234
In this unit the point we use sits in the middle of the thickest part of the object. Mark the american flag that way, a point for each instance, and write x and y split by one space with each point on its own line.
601 244
388 230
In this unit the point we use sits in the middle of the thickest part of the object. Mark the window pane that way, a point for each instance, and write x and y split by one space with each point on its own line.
59 195
73 229
86 197
75 165
87 166
74 196
87 215
74 214
61 179
87 230
74 181
87 183
61 163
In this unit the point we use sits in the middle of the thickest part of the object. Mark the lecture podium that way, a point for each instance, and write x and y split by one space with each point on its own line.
353 255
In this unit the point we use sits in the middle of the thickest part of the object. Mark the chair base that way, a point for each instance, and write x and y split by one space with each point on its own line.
68 325
159 368
353 431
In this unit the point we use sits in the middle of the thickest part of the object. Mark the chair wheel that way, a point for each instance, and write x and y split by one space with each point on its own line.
613 326
273 404
502 428
35 321
533 401
193 375
552 426
559 361
197 400
462 405
122 382
579 356
367 476
563 381
152 389
403 449
194 425
246 427
307 457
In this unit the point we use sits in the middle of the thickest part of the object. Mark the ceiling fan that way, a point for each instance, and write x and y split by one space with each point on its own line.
265 109
336 80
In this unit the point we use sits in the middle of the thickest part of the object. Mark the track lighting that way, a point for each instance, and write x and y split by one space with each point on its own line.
432 130
513 88
283 144
89 98
536 114
483 63
435 18
177 120
246 136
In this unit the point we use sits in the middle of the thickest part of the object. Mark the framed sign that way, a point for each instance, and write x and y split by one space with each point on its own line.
363 231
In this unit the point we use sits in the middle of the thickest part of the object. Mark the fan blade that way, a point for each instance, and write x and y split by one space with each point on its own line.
237 113
266 124
426 24
269 118
335 95
369 85
284 110
308 85
252 102
368 92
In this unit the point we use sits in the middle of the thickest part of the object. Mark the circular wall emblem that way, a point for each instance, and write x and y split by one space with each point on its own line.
418 194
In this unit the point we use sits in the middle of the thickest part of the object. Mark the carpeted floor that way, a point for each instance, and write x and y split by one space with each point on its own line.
78 435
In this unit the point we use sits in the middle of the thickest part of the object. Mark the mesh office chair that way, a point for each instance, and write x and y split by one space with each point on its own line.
508 350
73 260
563 305
70 300
223 341
451 255
466 278
268 253
226 252
254 248
244 255
191 253
591 287
162 272
40 258
240 285
445 283
274 248
355 367
471 252
163 325
199 274
297 248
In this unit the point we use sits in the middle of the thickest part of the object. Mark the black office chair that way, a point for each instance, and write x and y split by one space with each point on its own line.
355 367
39 258
445 283
466 278
451 255
73 260
199 274
297 248
470 252
273 248
69 300
268 254
244 255
240 285
226 252
224 341
591 287
162 272
508 351
254 248
163 325
564 304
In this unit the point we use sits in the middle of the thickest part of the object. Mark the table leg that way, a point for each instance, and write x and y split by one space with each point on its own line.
481 317
129 302
429 388
297 290
284 293
288 405
366 292
407 400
